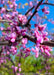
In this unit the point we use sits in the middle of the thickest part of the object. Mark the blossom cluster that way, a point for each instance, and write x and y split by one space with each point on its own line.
41 35
17 68
15 30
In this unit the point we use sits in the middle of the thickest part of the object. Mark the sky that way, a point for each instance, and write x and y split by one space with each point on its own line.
50 26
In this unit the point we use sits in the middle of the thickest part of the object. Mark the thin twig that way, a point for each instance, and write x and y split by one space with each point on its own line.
5 21
34 12
48 4
29 10
31 38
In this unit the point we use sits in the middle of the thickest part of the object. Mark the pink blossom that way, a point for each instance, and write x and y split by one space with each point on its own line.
30 3
11 6
18 73
0 18
48 48
12 36
40 39
2 61
3 10
42 50
24 41
13 48
37 52
22 18
33 50
13 40
15 68
36 25
19 64
28 50
44 34
52 22
42 27
1 28
2 2
19 69
47 52
37 33
8 52
12 67
7 16
30 13
45 10
3 33
46 39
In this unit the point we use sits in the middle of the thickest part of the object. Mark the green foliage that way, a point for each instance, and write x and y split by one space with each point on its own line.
29 65
6 25
4 70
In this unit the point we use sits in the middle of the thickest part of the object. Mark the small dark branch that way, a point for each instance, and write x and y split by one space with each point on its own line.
7 66
12 63
0 51
52 56
48 43
48 4
5 21
34 12
29 10
19 38
33 39
7 10
52 64
4 42
11 60
6 30
29 37
8 42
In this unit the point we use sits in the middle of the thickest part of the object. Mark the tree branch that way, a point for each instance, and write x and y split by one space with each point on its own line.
34 12
11 60
12 63
31 38
7 66
4 42
48 4
48 43
29 10
5 21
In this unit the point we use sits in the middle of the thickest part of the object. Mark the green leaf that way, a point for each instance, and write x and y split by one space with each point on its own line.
6 25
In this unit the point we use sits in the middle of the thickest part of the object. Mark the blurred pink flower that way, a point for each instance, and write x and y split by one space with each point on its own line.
42 27
30 3
19 69
18 73
47 52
